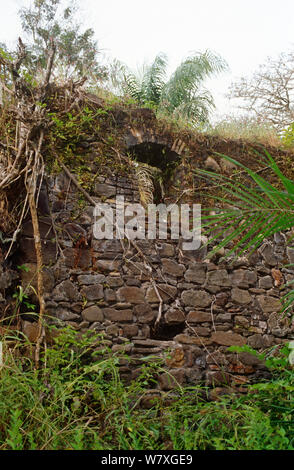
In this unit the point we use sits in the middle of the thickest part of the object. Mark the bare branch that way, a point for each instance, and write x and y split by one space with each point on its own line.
51 55
21 55
269 94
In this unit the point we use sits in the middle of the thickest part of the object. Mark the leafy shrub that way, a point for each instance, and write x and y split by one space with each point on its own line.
288 136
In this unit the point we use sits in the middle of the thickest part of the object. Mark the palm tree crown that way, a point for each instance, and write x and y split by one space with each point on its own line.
182 95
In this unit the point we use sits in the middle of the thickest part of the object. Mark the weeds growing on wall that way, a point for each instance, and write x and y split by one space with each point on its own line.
77 400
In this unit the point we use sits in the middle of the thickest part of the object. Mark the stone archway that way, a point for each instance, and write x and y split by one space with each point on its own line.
137 136
160 151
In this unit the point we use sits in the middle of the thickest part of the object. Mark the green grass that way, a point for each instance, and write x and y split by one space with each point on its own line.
77 400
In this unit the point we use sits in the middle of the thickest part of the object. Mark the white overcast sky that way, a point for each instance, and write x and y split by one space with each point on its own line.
244 32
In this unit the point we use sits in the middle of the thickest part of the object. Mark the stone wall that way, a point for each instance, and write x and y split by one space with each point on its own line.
116 288
207 306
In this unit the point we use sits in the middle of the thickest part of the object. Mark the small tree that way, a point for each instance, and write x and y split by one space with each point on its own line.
76 50
180 96
269 94
26 118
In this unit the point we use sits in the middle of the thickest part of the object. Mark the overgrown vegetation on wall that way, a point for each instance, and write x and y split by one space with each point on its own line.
79 402
175 313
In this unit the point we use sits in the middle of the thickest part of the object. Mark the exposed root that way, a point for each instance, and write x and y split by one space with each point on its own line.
21 160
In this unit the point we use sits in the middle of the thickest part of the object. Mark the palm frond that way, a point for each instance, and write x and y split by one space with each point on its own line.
185 83
182 95
116 72
154 79
251 212
195 109
131 86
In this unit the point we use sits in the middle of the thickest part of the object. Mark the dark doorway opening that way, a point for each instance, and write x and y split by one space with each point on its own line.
158 156
154 154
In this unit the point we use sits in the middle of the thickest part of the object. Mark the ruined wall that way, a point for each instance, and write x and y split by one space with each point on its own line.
208 306
110 287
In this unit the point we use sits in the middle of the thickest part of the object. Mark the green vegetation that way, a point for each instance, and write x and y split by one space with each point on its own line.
78 401
253 211
76 52
77 398
250 211
288 136
180 96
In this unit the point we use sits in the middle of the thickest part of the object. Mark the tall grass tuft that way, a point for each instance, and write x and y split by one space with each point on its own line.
247 129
